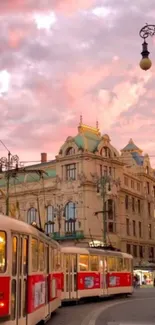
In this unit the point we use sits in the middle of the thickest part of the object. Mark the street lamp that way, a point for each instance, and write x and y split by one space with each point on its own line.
145 32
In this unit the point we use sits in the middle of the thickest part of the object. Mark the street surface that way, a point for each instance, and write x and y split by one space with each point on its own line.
135 310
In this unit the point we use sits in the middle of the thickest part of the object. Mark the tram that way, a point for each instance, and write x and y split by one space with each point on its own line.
30 274
90 272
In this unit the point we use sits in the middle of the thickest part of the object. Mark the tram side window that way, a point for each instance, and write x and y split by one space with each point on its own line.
34 252
52 259
57 260
119 264
84 262
14 255
94 263
25 256
112 264
41 257
126 265
2 251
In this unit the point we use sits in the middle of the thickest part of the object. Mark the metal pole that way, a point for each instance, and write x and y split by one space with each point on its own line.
104 221
8 185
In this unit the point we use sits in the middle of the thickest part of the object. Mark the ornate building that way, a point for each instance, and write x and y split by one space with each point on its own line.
69 200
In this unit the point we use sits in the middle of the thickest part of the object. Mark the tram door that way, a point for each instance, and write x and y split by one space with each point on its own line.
103 271
70 276
47 303
19 279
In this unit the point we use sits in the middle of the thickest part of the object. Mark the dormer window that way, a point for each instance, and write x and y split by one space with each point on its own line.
105 152
70 151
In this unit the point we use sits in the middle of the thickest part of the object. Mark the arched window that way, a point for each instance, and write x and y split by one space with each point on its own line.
32 216
70 217
70 151
109 208
49 225
105 152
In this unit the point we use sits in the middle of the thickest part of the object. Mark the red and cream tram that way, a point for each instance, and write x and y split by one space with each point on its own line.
30 274
92 272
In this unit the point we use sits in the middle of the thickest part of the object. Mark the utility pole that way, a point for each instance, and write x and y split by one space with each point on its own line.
103 185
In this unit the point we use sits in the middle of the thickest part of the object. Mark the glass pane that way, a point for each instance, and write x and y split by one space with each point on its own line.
94 263
41 257
20 257
74 263
34 253
2 251
52 259
14 256
57 260
24 297
119 264
19 298
112 264
84 262
13 300
25 256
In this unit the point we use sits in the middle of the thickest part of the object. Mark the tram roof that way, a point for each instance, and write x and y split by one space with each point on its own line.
18 226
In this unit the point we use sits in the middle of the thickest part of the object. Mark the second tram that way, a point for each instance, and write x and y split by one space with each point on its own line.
92 272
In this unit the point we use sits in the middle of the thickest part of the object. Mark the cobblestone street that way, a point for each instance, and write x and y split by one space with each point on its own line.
138 309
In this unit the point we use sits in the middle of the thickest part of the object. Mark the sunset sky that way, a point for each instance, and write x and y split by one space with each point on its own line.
63 58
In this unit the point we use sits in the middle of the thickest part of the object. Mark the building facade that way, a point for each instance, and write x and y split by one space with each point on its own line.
68 199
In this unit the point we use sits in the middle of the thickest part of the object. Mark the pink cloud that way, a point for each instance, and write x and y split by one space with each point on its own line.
81 64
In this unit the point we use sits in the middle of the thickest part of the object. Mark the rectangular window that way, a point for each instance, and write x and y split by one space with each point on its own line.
139 206
125 181
119 264
41 257
134 227
134 250
133 204
112 264
71 172
141 251
101 171
128 248
149 209
57 260
24 297
94 263
132 184
34 254
151 252
25 256
126 265
140 229
14 255
111 227
3 259
13 299
105 170
126 202
110 171
84 262
138 187
150 231
127 227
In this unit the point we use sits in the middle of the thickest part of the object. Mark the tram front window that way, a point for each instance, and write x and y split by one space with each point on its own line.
2 251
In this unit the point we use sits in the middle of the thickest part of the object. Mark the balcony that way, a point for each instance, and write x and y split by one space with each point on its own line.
68 235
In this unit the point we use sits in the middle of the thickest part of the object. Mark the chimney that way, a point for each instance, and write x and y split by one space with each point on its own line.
43 157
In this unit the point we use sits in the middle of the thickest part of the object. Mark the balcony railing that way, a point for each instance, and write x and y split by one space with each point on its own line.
68 235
